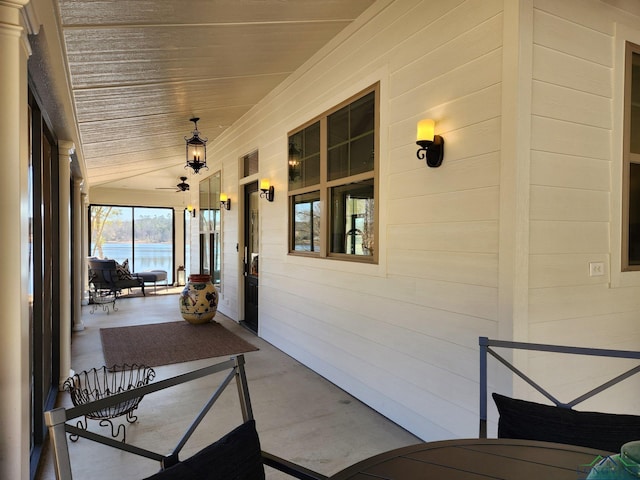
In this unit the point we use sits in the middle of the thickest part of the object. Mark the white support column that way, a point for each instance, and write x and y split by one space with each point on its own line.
78 266
515 162
85 247
15 374
65 150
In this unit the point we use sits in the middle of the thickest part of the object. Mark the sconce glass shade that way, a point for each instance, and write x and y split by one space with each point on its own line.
266 190
196 150
425 130
431 145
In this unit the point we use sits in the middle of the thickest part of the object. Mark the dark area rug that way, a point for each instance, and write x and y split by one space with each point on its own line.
166 343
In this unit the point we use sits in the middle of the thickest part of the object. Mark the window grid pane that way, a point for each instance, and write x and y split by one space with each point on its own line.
306 224
304 157
634 214
350 138
353 219
635 104
250 164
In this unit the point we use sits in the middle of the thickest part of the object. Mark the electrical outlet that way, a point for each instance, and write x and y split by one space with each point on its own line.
596 269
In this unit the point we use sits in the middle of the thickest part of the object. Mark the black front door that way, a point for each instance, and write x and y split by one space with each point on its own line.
251 251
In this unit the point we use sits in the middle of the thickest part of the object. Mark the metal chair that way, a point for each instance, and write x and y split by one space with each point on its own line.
558 423
107 285
238 446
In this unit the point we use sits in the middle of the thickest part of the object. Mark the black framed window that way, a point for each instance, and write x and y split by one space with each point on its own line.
145 236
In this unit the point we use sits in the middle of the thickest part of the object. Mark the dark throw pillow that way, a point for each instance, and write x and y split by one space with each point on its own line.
236 456
123 270
534 421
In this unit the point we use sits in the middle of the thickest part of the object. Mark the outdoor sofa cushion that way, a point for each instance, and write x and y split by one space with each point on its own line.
533 421
236 456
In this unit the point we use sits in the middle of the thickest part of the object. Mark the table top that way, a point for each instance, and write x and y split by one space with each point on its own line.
477 459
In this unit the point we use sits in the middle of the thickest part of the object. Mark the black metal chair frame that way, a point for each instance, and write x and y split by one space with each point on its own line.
57 419
107 287
486 345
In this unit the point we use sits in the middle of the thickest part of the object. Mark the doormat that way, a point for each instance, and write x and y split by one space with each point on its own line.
158 344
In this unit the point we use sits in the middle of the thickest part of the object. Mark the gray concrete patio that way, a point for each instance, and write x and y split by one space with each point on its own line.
299 415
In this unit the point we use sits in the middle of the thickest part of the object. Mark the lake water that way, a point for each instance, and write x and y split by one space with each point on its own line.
148 256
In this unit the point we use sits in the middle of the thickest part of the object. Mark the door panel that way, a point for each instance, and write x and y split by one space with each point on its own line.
251 253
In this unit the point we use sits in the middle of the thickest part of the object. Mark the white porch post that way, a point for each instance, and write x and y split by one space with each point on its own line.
14 244
65 150
78 266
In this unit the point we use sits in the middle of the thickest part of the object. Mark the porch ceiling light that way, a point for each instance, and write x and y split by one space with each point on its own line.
196 149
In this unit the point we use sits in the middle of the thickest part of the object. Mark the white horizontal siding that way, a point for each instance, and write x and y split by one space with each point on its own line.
402 335
559 68
563 103
569 171
560 237
477 236
571 206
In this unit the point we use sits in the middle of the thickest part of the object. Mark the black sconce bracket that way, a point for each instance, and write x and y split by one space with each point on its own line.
431 151
268 194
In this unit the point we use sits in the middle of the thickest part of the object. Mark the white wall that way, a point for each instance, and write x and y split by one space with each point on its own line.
576 194
401 335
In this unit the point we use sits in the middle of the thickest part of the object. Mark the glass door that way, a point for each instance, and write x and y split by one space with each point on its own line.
210 259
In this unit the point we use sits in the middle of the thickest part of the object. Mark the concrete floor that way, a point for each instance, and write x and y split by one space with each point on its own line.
299 415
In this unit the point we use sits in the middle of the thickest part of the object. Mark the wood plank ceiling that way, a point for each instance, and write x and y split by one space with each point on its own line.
140 69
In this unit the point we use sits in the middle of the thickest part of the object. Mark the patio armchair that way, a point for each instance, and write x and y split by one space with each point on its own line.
107 280
237 455
558 423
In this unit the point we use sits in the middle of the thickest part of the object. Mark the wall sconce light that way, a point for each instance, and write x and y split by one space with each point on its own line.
266 190
431 145
196 149
191 209
225 201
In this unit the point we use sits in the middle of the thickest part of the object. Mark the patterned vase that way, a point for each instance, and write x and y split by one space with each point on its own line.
199 299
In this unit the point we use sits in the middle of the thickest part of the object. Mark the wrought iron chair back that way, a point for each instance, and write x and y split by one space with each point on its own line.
486 345
104 275
56 421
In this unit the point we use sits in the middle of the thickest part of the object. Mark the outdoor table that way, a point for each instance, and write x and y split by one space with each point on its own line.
475 459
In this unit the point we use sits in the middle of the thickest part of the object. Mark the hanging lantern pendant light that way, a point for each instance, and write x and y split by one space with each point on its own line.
196 149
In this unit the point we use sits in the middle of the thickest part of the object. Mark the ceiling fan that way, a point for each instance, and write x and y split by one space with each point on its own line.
183 186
